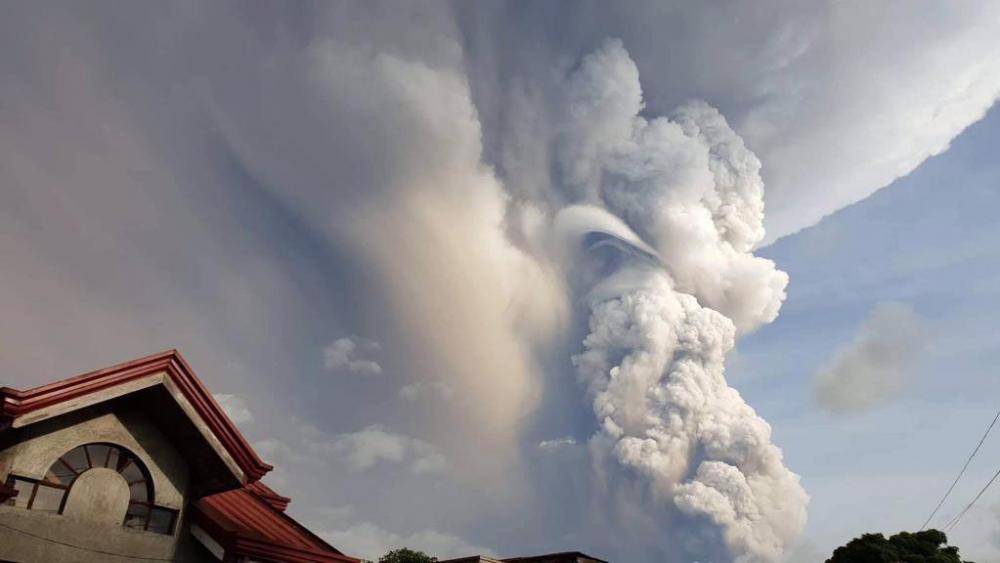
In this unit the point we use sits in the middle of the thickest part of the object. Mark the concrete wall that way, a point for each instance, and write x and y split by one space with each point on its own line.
91 535
36 537
41 444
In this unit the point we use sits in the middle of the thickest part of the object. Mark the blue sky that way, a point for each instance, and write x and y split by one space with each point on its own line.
371 229
928 240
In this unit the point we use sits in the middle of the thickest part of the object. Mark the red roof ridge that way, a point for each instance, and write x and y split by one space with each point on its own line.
15 403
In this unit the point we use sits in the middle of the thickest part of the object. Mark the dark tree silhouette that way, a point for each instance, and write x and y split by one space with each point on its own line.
405 555
928 546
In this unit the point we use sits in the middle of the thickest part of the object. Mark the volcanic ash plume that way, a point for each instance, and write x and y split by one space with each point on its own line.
660 326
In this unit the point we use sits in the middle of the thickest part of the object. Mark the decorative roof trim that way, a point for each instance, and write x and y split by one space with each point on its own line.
17 406
267 494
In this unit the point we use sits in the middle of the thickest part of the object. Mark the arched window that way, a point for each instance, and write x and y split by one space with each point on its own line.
50 493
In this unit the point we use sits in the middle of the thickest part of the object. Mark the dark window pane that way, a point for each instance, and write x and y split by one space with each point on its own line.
114 459
98 455
76 459
47 499
10 483
59 473
136 516
131 472
161 520
139 491
23 488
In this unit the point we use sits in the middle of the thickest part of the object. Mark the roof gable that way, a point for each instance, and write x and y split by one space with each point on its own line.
166 370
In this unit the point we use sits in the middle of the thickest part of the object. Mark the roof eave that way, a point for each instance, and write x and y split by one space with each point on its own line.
23 407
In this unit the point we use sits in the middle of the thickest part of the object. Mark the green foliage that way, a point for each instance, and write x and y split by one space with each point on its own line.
928 546
406 555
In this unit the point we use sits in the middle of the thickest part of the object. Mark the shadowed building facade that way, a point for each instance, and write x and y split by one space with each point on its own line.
137 462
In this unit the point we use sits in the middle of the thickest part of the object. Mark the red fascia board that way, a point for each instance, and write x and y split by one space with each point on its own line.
15 403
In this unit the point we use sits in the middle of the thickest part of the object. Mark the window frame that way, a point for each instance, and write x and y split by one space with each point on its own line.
35 484
124 459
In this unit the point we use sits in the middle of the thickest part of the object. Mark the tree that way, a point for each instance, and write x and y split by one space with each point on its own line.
405 555
928 546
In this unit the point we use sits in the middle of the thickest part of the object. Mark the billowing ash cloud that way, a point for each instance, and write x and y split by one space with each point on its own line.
659 331
687 185
453 191
649 224
877 364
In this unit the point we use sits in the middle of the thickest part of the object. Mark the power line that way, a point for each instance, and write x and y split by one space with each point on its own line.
954 521
962 472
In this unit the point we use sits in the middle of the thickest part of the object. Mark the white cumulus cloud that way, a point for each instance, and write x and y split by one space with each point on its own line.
235 408
556 444
364 539
373 445
347 354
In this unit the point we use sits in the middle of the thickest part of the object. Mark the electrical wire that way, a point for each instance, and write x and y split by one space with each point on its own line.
958 517
962 472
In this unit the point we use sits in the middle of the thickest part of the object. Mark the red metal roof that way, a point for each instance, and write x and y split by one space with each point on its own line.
15 403
248 523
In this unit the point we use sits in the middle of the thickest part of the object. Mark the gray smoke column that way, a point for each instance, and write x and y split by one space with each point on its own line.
650 226
660 325
877 364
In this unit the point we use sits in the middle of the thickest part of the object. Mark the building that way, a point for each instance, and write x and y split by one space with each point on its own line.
137 462
563 557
